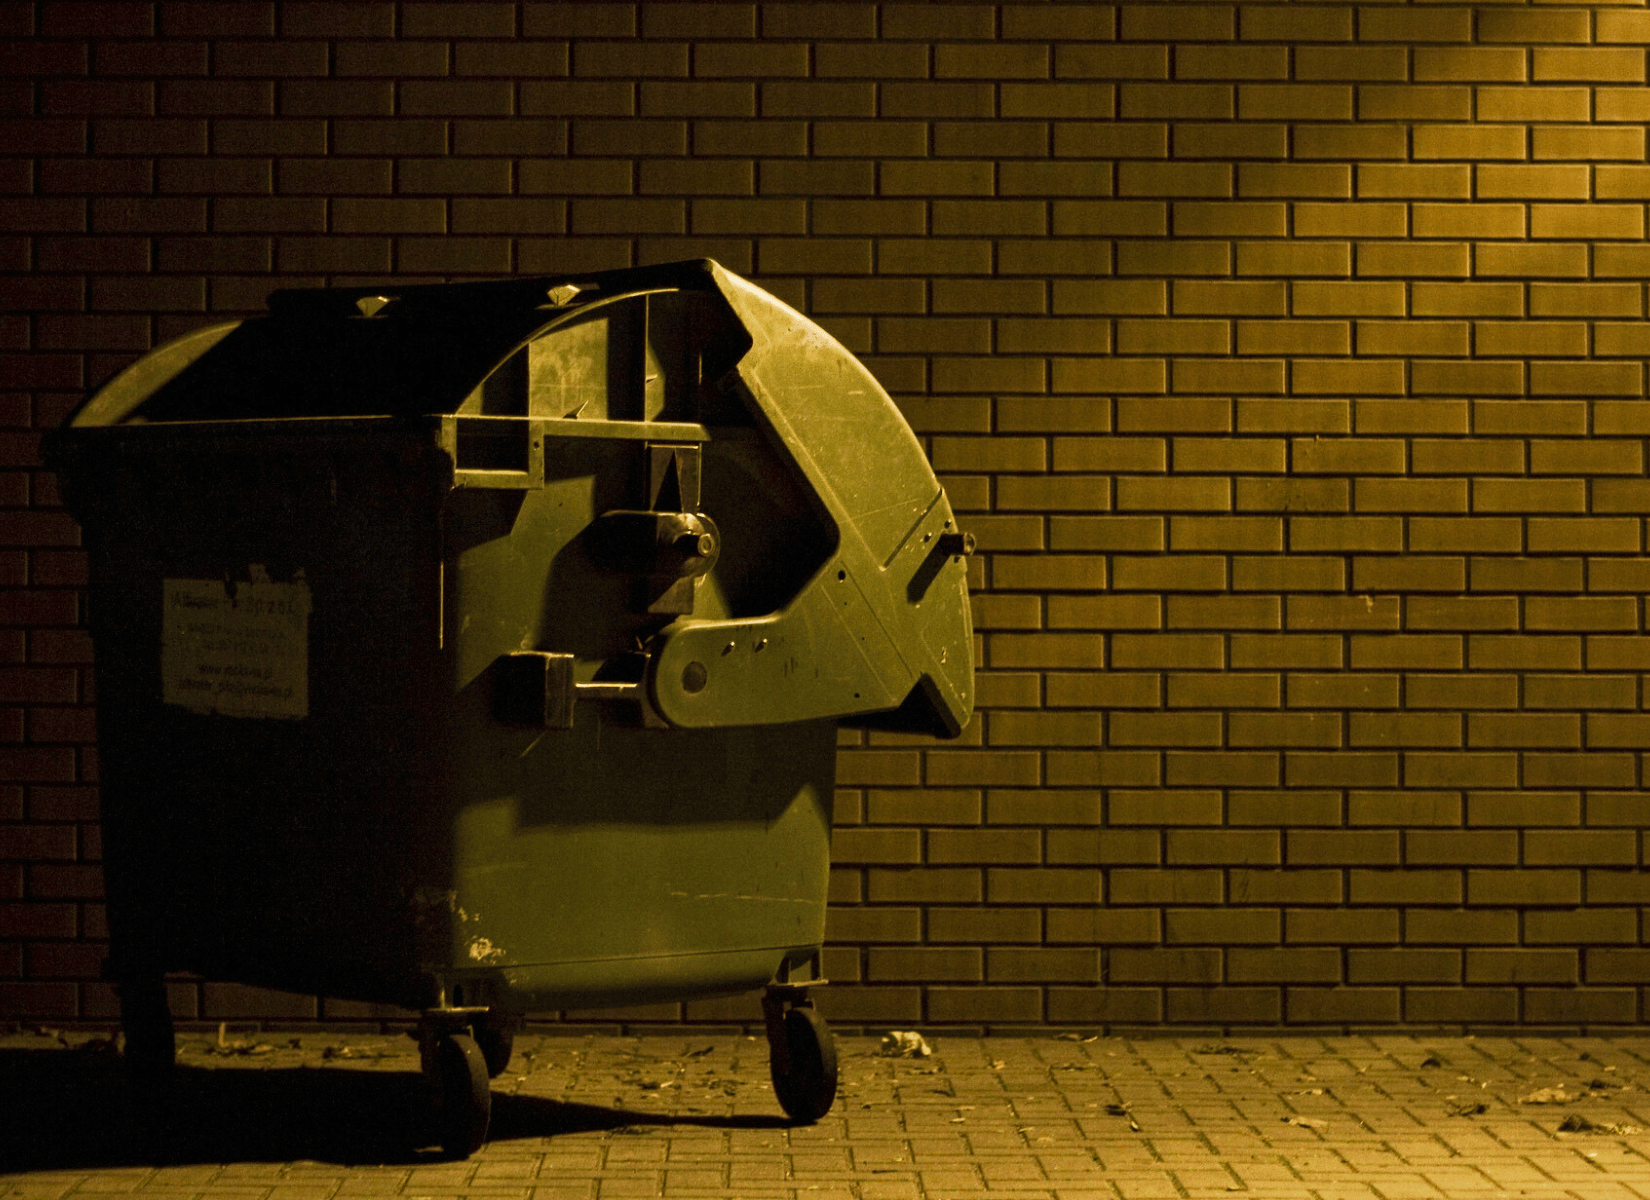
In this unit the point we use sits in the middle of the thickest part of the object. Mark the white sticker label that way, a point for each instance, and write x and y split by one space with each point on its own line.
244 654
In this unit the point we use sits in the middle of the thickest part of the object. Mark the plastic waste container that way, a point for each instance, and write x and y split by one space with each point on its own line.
480 649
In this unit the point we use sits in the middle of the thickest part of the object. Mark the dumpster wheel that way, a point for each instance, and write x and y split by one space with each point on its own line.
495 1034
801 1057
463 1102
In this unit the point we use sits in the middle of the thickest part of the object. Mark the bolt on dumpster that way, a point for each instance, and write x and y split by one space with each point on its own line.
480 648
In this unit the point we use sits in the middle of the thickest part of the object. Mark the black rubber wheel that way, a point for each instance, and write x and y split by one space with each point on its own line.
496 1035
463 1103
146 1019
807 1089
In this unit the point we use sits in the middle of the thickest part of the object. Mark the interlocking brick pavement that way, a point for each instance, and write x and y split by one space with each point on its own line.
1068 1117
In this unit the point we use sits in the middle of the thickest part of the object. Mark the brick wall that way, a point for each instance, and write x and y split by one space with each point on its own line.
1285 360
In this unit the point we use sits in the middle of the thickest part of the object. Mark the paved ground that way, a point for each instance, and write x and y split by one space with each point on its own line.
324 1116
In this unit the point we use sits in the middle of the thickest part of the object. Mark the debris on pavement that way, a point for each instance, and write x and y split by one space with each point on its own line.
1306 1122
1576 1123
905 1043
240 1046
1549 1095
1122 1110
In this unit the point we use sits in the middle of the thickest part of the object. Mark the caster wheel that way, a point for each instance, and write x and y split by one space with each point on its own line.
463 1102
807 1087
496 1036
146 1020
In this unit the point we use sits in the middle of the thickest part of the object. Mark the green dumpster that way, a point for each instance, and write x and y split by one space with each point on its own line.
480 649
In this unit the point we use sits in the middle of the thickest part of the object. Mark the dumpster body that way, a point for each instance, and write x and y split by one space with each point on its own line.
479 649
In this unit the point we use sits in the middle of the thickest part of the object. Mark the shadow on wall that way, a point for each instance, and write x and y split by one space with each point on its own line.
74 1110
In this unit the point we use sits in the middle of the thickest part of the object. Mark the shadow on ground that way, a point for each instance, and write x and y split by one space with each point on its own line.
72 1110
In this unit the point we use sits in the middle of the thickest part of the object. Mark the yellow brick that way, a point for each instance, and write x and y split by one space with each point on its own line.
1412 416
1229 534
1469 220
1133 651
1291 23
1175 256
1043 336
1324 535
1470 142
1621 183
1293 495
1414 102
1376 652
1343 63
1617 574
1350 220
1343 691
1620 221
1609 339
1621 417
1585 535
1594 64
1277 415
1347 455
1294 102
1332 180
1553 260
1529 495
1468 64
1586 300
1618 104
1431 182
1224 612
1146 297
1207 455
1097 139
1231 62
1177 494
1589 143
1496 730
1174 179
1353 378
1302 337
1343 612
1461 612
1593 613
1409 573
1285 729
1104 612
1206 101
1287 573
1414 259
1106 533
1181 572
1113 376
1617 25
1527 25
1020 414
1411 495
1294 259
1536 104
1384 24
1192 297
1555 418
1405 729
1192 415
1365 140
1230 219
1286 650
1467 456
1566 338
1161 336
1065 493
1614 261
1586 379
1201 22
1109 454
1249 376
1432 338
1225 140
1224 691
1497 181
1459 692
1347 299
1466 378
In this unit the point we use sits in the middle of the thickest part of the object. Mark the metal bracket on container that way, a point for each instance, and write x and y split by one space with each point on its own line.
536 688
494 452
